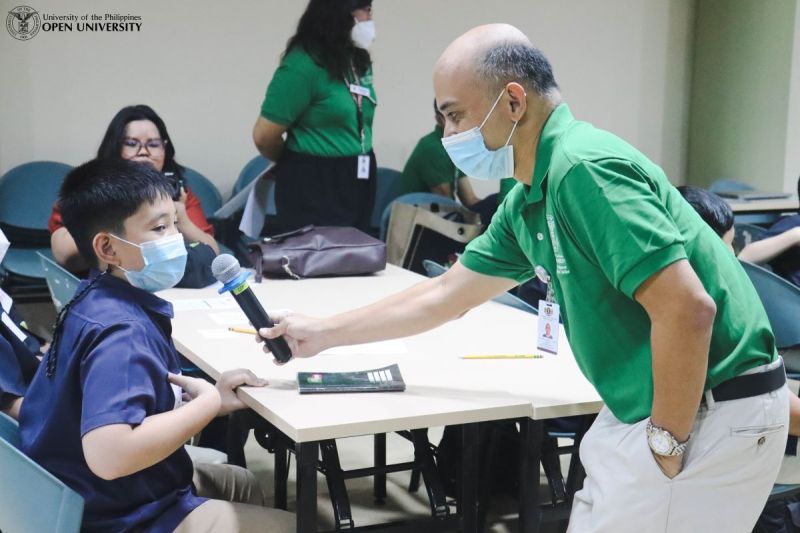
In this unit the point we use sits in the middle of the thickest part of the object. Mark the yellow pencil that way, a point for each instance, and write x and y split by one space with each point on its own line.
505 356
250 331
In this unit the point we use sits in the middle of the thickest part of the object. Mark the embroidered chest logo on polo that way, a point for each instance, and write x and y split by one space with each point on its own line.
561 263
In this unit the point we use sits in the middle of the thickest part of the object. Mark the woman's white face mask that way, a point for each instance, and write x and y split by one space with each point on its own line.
363 33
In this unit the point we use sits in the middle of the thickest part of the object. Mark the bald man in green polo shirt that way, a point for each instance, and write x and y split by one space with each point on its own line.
661 317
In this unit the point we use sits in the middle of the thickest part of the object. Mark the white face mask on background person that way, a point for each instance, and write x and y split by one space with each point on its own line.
363 33
468 152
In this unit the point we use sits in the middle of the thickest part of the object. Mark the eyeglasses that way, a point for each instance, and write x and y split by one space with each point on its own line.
152 145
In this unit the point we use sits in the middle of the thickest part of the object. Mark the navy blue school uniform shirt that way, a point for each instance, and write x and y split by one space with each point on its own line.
787 264
18 361
113 357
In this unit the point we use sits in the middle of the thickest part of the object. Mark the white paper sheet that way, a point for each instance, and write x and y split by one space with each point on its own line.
233 318
391 347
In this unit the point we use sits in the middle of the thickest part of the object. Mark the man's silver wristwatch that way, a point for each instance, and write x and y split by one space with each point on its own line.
662 442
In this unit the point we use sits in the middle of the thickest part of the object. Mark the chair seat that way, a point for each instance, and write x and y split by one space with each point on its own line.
24 263
199 454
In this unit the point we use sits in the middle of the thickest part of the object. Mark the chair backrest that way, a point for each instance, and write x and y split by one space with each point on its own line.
729 185
744 234
433 269
413 198
31 498
61 283
781 300
27 194
249 172
387 188
206 192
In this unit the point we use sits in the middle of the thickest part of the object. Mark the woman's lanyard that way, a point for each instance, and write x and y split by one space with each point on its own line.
358 92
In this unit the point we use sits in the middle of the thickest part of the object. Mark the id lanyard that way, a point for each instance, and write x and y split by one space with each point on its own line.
357 92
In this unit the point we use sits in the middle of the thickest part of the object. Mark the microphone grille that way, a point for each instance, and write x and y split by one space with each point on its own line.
225 267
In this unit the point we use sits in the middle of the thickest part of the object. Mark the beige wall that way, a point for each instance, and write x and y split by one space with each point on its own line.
791 169
204 65
741 93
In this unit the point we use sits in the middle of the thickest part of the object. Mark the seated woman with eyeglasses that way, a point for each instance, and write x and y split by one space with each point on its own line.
138 134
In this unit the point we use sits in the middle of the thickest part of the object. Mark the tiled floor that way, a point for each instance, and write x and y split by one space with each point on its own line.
400 503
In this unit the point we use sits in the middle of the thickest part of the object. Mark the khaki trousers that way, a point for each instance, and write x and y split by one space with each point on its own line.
236 504
729 467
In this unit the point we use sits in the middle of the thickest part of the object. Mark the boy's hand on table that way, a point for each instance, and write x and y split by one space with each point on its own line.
227 384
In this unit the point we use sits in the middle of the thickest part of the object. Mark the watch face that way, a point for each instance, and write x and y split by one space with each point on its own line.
660 443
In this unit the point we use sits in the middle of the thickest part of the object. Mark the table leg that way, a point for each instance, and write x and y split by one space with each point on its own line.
281 476
379 481
530 514
469 479
306 465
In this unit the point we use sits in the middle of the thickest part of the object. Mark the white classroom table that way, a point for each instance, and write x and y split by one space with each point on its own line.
775 205
442 389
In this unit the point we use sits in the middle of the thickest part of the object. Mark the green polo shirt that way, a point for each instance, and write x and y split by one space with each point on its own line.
319 111
506 186
601 219
429 165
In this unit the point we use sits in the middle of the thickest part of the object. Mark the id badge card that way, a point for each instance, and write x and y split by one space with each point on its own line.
359 90
547 336
362 172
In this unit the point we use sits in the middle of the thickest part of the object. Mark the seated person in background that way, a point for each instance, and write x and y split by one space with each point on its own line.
137 133
719 216
780 247
108 411
18 351
429 169
712 209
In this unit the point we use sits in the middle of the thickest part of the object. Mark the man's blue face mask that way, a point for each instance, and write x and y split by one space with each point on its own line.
164 263
468 152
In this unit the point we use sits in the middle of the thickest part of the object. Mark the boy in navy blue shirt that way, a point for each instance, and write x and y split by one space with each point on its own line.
103 412
780 247
18 351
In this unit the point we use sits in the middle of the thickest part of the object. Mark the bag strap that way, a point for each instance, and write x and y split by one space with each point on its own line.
277 239
257 261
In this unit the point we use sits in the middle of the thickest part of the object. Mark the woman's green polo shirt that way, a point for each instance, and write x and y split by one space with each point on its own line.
319 111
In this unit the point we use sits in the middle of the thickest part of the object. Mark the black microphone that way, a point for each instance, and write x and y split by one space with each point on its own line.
226 269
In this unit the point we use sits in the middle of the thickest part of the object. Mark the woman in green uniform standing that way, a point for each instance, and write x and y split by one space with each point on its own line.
321 97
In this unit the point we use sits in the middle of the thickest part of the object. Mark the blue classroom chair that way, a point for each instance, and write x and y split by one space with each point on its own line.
27 194
61 283
206 192
387 188
32 500
413 198
781 301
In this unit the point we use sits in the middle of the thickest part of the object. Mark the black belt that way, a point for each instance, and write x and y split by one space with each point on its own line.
749 385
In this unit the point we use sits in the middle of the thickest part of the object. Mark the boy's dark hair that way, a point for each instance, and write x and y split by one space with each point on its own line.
711 208
111 146
324 33
101 194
